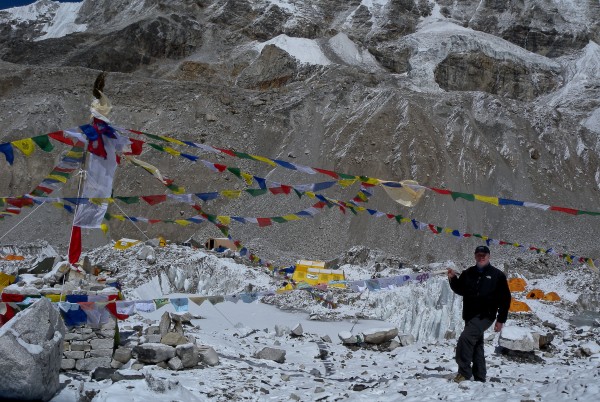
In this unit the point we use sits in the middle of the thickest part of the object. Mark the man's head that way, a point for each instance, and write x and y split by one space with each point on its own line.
482 256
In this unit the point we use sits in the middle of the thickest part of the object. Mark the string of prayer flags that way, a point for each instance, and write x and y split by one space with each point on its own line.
346 179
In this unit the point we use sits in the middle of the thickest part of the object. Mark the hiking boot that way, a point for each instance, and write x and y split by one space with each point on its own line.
459 378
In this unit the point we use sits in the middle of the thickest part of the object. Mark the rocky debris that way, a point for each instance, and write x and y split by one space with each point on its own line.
378 336
406 339
589 348
188 354
207 355
146 253
267 353
31 346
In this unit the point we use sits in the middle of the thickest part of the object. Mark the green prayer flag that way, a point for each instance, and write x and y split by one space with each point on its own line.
235 171
466 196
243 155
398 218
155 146
43 142
588 213
298 193
346 176
256 191
129 200
278 219
154 137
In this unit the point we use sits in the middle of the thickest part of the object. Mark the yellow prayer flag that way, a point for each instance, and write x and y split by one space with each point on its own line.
225 220
448 230
405 220
360 209
118 217
177 190
27 146
371 180
172 151
310 194
263 159
247 177
231 193
346 182
100 201
172 140
292 217
58 178
104 228
182 222
58 205
489 200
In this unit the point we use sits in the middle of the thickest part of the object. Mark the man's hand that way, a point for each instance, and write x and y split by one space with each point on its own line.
498 326
451 273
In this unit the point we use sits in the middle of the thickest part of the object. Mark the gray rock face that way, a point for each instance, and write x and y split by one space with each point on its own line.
274 68
479 72
153 352
122 355
31 346
406 339
267 353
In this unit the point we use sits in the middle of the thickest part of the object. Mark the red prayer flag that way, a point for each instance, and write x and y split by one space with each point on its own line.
565 210
262 222
440 190
60 136
226 151
75 245
219 167
136 147
328 173
112 308
154 199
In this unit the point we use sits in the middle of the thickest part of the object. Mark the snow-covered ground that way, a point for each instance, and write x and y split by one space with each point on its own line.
317 370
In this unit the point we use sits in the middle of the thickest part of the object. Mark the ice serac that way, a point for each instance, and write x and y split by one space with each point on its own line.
427 311
31 346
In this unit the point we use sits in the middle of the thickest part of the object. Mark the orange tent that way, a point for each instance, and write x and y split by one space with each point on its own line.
12 257
552 296
518 306
517 284
535 294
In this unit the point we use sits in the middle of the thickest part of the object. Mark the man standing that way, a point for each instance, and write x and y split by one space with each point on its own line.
486 298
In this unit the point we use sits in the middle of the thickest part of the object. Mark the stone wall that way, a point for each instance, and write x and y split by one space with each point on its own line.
86 348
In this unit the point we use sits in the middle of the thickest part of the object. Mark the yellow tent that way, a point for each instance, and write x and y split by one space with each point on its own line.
552 296
518 306
517 284
535 294
125 243
314 273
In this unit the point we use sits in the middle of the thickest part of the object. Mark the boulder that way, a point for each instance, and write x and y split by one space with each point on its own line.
175 364
379 336
297 330
188 355
122 355
207 355
267 353
31 346
590 348
173 339
517 338
153 353
165 324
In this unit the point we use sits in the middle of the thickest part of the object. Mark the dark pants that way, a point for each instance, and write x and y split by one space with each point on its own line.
470 349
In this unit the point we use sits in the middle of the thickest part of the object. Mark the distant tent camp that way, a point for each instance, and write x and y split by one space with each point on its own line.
535 294
125 243
518 306
517 284
552 296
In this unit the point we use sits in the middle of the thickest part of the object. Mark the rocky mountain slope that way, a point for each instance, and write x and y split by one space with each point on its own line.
477 97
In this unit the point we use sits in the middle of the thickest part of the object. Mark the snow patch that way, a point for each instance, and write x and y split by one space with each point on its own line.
307 51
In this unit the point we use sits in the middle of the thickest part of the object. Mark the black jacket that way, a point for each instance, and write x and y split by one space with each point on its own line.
485 294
